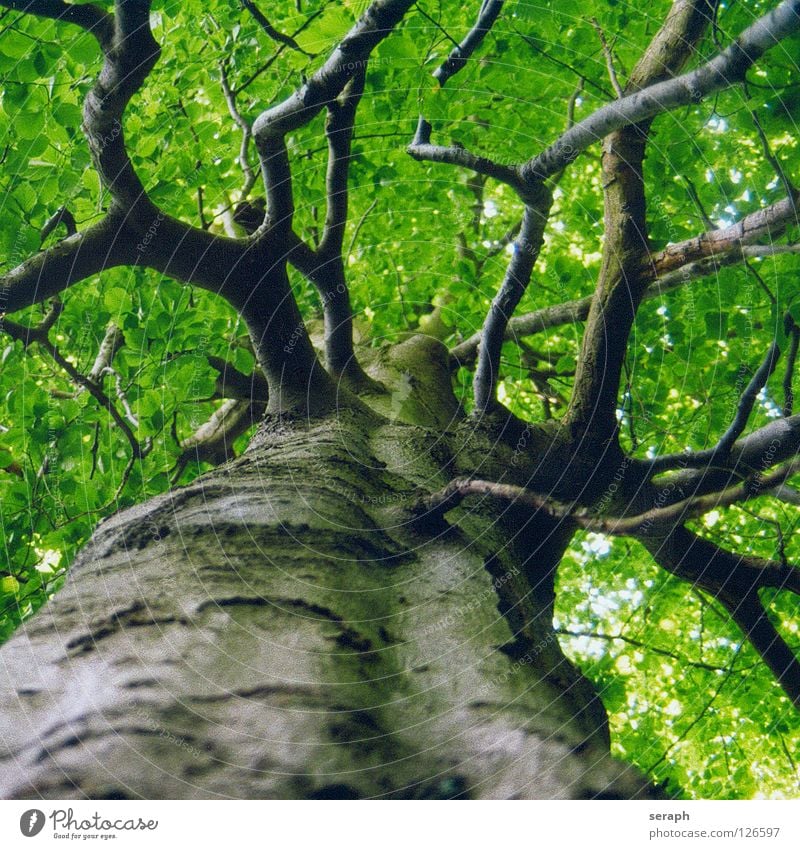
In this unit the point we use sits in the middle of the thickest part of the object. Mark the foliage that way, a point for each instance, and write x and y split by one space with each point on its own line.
687 700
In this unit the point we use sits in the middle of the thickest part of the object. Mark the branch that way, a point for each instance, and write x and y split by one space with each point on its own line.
247 132
128 62
339 130
89 17
326 270
232 383
526 251
279 52
461 53
106 244
527 243
621 284
130 53
723 71
609 57
277 174
571 312
788 392
112 341
421 148
747 400
212 442
655 522
327 83
640 644
270 30
40 336
735 580
61 216
769 222
704 472
773 160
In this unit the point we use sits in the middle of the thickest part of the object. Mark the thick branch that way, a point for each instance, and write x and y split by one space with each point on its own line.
327 268
339 130
49 272
621 284
324 85
518 274
726 69
769 222
748 400
128 62
86 15
247 132
231 383
735 581
212 442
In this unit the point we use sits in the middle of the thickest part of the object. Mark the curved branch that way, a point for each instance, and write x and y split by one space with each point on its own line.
621 284
62 216
88 16
747 401
517 277
769 222
735 581
651 523
723 71
128 62
675 266
106 244
327 83
247 133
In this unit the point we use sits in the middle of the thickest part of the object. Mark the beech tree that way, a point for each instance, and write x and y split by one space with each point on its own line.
407 389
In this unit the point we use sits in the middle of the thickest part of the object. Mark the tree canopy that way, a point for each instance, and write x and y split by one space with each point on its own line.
434 168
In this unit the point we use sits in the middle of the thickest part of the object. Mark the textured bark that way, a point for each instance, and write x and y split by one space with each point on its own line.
286 626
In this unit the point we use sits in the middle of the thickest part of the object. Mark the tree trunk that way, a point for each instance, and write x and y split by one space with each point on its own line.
284 627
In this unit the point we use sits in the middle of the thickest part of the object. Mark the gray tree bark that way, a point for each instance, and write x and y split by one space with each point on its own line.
283 627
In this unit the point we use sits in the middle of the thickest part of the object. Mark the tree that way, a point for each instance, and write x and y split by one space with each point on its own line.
453 528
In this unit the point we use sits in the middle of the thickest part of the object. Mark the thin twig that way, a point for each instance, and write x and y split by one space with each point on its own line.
261 19
612 71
